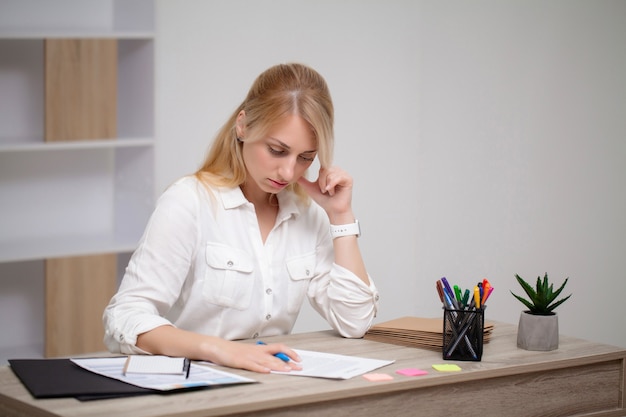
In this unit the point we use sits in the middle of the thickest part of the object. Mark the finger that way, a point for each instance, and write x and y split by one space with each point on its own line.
334 179
266 362
276 364
283 352
292 354
294 363
249 364
255 367
323 180
295 366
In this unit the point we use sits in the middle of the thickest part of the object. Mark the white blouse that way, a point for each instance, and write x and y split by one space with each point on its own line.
202 266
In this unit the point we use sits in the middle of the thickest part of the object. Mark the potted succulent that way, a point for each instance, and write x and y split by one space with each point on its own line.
538 327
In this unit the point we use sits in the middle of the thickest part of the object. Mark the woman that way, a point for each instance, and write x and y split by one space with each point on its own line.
231 252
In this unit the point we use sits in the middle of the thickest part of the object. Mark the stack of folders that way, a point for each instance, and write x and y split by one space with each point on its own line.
426 333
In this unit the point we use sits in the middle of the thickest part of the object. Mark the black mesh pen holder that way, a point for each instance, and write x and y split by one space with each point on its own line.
463 334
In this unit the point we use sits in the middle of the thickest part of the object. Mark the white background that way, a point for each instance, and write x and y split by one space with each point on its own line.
486 138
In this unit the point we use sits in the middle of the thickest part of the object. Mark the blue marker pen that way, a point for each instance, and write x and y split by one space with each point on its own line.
279 355
449 301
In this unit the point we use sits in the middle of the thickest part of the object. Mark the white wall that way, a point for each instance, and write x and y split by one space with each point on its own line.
485 137
522 152
209 54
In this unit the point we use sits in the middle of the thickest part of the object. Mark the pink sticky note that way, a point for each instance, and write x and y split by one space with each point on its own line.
377 377
411 372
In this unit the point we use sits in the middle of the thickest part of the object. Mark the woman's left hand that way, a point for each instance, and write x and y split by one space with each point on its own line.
333 192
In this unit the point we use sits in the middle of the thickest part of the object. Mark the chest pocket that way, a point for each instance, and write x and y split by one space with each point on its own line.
301 270
228 281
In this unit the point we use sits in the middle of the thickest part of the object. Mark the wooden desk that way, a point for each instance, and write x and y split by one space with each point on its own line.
580 378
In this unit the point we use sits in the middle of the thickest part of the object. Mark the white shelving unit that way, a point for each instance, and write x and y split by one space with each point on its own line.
73 198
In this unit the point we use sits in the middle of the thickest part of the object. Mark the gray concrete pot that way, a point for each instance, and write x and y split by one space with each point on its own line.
538 332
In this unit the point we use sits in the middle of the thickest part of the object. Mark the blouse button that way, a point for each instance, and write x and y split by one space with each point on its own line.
307 272
254 336
268 291
230 264
269 316
376 297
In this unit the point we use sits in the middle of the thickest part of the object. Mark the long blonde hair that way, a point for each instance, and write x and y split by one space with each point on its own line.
281 90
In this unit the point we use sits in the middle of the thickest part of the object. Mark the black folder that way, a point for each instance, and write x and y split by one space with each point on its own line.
54 378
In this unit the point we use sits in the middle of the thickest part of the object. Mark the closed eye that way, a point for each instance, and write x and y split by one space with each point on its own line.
306 157
276 151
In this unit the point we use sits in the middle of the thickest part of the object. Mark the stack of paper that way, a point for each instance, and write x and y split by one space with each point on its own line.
334 366
416 332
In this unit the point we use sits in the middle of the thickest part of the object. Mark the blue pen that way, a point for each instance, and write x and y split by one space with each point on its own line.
279 355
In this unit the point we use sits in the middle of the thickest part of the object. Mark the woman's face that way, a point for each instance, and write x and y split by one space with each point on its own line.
280 158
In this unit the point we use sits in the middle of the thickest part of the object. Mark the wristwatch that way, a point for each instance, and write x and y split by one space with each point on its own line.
338 230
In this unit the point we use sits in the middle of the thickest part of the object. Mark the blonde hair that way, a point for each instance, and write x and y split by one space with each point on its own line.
280 91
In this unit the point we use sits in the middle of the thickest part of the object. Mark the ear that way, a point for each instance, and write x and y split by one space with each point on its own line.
241 124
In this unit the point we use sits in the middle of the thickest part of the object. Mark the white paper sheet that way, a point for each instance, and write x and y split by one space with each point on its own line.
333 366
199 376
155 364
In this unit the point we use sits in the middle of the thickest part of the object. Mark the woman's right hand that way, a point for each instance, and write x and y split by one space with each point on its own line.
256 358
172 341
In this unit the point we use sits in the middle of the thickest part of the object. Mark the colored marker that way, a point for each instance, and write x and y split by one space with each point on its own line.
440 290
448 289
477 296
447 286
466 298
457 293
487 295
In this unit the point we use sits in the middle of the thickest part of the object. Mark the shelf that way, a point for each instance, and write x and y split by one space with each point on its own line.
35 145
68 34
69 205
22 98
97 191
73 201
77 19
63 246
23 297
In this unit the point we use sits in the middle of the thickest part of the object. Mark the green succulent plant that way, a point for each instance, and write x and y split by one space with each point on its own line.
542 297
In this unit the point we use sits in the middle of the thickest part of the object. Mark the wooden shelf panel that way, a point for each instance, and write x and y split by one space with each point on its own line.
22 85
78 288
80 89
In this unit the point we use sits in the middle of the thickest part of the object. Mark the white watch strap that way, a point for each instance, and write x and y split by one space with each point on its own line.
350 229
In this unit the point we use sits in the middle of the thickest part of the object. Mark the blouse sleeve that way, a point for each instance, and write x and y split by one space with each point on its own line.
156 271
345 301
